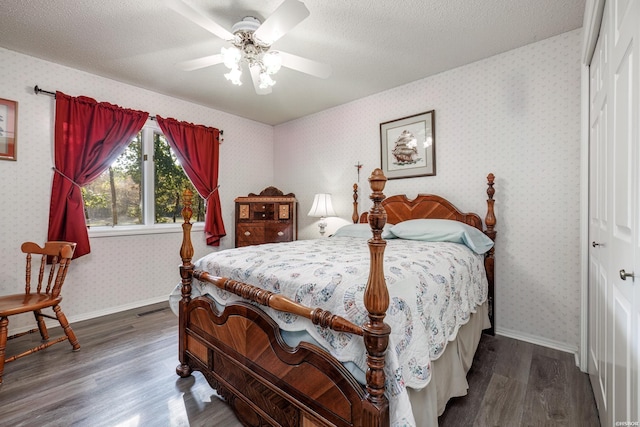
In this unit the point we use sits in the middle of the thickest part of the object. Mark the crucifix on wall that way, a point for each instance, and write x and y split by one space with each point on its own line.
358 167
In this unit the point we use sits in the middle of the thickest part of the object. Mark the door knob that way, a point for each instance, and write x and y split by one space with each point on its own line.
594 244
624 275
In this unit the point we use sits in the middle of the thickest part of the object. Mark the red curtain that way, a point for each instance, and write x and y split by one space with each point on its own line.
89 136
198 149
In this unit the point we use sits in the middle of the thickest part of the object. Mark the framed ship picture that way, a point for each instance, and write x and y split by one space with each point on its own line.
408 146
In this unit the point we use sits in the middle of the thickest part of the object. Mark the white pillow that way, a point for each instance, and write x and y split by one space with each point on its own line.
443 230
362 231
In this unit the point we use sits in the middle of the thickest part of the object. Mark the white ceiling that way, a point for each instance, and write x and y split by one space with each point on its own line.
371 45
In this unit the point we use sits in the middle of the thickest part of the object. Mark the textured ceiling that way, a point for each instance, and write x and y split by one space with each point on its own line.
371 45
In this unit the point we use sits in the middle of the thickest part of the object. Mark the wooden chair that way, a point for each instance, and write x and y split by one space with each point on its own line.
50 265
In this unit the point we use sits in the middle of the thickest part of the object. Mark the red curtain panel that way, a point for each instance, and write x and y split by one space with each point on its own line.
89 136
198 149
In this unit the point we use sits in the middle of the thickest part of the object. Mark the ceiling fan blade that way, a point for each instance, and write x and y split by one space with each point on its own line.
255 76
304 65
196 64
289 14
199 17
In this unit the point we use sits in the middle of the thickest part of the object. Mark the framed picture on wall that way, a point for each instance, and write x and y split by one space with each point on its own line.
408 146
8 125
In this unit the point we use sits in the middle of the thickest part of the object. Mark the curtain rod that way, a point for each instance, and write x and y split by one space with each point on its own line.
38 91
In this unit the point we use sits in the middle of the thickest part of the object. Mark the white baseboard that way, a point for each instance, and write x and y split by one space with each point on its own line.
99 313
545 342
118 309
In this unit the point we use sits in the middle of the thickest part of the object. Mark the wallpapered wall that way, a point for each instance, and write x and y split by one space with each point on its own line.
516 115
120 272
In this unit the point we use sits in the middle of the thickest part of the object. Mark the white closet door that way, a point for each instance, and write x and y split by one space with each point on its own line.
625 87
614 215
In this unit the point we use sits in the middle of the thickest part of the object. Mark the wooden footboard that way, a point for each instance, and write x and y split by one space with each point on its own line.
244 357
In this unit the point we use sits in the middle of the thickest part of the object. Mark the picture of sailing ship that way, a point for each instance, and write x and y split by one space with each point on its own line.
405 149
408 146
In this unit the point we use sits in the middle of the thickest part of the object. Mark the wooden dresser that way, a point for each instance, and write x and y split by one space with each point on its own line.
268 217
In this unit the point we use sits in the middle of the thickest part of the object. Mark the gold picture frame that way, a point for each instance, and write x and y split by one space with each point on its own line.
8 129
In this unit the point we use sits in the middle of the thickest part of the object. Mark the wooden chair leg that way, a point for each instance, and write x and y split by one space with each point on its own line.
42 327
67 328
4 327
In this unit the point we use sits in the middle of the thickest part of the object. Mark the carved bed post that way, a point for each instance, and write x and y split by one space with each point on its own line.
376 300
355 215
186 271
490 222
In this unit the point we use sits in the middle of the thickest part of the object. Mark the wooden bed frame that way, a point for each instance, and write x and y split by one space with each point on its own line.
266 382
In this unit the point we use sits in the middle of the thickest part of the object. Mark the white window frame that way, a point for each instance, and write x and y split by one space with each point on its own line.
148 168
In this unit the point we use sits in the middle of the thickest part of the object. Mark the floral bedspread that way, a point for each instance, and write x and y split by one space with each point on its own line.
433 289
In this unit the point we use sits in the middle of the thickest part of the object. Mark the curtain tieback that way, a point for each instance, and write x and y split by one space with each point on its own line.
212 191
68 179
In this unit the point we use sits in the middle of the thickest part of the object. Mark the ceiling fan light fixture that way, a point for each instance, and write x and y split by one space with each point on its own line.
245 50
234 76
231 57
265 80
272 62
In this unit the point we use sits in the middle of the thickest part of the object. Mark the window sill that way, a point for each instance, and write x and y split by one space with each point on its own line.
140 230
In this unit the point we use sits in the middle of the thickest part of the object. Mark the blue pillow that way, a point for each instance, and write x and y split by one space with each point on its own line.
362 231
443 230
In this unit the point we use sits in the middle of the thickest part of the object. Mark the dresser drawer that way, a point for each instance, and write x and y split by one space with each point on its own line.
278 232
250 234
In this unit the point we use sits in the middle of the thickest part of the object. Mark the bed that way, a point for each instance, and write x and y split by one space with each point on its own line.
282 355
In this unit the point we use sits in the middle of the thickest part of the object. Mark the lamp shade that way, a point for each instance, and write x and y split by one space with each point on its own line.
322 206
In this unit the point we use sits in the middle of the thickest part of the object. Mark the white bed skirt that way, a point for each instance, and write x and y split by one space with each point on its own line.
449 372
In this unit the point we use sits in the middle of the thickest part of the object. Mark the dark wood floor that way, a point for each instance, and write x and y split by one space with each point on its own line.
124 376
514 383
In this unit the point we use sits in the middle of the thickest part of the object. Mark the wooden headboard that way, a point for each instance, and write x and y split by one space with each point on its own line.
400 208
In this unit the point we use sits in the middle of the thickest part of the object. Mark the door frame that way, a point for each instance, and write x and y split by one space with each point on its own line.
590 30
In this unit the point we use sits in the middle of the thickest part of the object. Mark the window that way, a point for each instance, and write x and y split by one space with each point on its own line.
142 188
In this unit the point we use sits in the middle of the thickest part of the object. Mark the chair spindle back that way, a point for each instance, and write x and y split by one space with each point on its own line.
54 257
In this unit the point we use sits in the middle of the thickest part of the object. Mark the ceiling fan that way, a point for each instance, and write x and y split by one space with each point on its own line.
251 42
